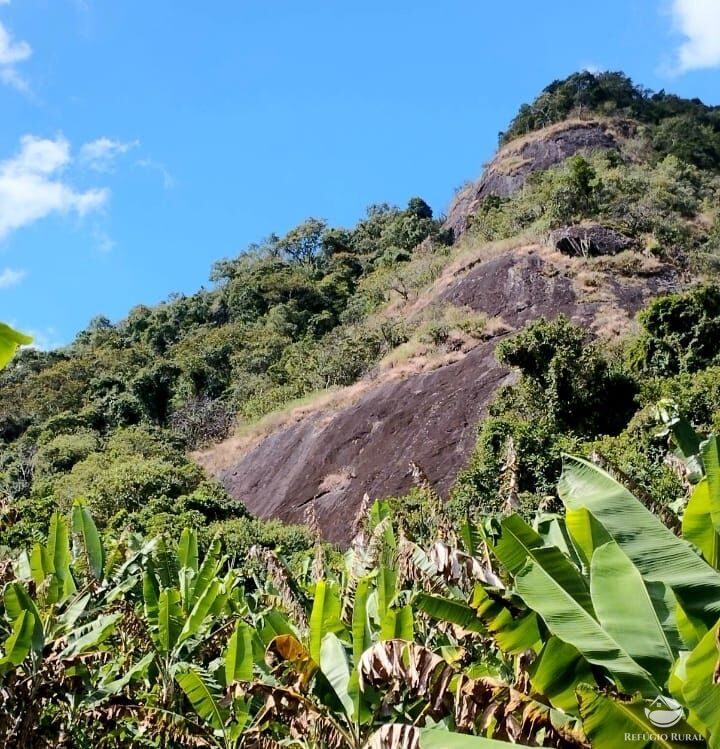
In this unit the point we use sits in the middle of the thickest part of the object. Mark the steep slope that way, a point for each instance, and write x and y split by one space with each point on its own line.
601 196
366 441
507 171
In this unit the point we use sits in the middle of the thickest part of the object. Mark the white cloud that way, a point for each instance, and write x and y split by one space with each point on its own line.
32 188
105 243
43 340
699 23
10 277
11 53
99 154
167 178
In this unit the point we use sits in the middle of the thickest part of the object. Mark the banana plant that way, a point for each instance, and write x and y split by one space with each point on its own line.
310 679
223 714
186 603
55 630
615 608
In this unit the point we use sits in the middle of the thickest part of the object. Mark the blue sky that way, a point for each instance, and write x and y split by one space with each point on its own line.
141 141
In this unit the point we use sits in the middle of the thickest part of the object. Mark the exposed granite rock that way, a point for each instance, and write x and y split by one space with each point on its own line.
508 170
589 240
429 417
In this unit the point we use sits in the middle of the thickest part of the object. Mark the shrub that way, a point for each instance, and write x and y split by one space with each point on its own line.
202 421
569 379
680 332
239 534
62 452
123 483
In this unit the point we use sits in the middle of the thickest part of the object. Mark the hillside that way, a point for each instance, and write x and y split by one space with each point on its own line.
323 362
417 484
424 409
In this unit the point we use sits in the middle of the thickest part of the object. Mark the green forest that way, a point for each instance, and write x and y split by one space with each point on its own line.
571 576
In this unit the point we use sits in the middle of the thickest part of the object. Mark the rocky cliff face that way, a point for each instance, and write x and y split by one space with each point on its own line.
364 444
508 170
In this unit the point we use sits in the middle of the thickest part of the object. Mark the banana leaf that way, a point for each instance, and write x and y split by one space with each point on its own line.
611 723
697 675
644 627
569 621
10 339
519 542
658 554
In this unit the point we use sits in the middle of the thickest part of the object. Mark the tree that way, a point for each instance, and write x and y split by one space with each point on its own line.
303 243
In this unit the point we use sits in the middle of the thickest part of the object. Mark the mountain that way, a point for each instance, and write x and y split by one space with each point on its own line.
425 409
384 358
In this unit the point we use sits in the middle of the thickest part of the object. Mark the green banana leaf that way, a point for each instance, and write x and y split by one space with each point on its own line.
150 597
569 621
334 665
643 627
386 587
10 339
58 548
586 534
202 693
658 554
16 600
698 687
169 619
325 615
513 634
196 621
138 669
89 636
697 526
188 550
519 542
554 532
472 537
711 460
611 723
398 624
18 645
87 533
165 565
74 610
556 673
446 610
239 654
360 624
40 564
208 571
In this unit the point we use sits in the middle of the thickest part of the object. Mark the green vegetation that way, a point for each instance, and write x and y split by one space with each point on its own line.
575 396
558 633
667 209
542 605
685 128
111 416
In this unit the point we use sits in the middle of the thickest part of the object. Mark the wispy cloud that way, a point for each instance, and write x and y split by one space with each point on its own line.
11 277
699 22
11 53
100 154
32 185
104 242
167 178
44 340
